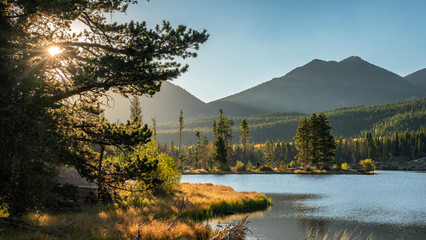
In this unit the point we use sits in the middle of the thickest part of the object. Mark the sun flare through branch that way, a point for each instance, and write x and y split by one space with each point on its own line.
54 50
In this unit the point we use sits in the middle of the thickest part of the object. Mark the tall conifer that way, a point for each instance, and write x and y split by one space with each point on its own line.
244 139
327 142
302 141
181 126
314 139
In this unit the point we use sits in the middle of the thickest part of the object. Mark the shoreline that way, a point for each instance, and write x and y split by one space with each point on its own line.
162 217
321 172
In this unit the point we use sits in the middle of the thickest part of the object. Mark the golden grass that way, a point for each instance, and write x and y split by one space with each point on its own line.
342 235
151 216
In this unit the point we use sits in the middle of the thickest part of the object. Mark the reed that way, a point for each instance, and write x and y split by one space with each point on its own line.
341 235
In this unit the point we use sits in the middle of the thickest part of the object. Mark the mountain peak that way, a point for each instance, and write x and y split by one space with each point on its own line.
316 60
353 59
417 78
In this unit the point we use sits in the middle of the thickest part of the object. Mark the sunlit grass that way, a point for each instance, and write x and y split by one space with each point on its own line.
151 216
342 235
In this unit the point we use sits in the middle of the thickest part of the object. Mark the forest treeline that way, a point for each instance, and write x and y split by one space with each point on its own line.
390 150
347 122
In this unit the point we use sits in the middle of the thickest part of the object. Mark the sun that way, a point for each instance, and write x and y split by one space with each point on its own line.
54 50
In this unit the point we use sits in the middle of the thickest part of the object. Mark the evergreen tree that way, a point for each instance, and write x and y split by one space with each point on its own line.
181 126
109 175
214 130
244 139
135 109
52 93
228 139
222 125
302 142
220 154
397 145
197 150
154 129
314 139
269 152
327 144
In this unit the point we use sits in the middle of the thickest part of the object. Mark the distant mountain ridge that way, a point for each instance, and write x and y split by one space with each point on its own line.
317 86
417 78
165 105
321 85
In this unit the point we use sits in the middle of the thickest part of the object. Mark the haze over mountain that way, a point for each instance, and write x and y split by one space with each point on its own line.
316 86
164 106
417 78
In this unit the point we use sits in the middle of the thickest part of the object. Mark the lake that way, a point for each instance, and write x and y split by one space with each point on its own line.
388 205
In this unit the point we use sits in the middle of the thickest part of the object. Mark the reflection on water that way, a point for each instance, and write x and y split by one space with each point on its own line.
390 205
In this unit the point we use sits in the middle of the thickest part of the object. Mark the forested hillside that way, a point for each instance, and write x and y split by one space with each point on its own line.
347 122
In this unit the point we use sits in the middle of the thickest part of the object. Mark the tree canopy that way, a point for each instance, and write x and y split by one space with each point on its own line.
314 140
49 100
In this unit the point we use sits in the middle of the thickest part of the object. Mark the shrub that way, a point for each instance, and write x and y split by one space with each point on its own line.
367 165
166 178
283 166
345 166
239 166
249 166
292 164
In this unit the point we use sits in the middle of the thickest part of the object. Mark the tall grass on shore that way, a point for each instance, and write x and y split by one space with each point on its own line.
150 216
342 235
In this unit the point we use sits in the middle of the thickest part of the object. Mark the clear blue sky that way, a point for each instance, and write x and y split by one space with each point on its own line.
254 41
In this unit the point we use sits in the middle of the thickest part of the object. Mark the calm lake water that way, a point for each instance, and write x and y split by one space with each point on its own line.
389 205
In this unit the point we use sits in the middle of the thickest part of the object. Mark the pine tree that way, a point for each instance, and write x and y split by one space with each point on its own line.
154 129
214 130
244 139
197 150
269 152
302 142
397 144
228 138
222 125
327 144
181 126
314 139
135 109
220 154
46 96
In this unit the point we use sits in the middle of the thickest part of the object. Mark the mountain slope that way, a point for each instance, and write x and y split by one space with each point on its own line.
321 85
316 86
381 120
417 78
164 106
